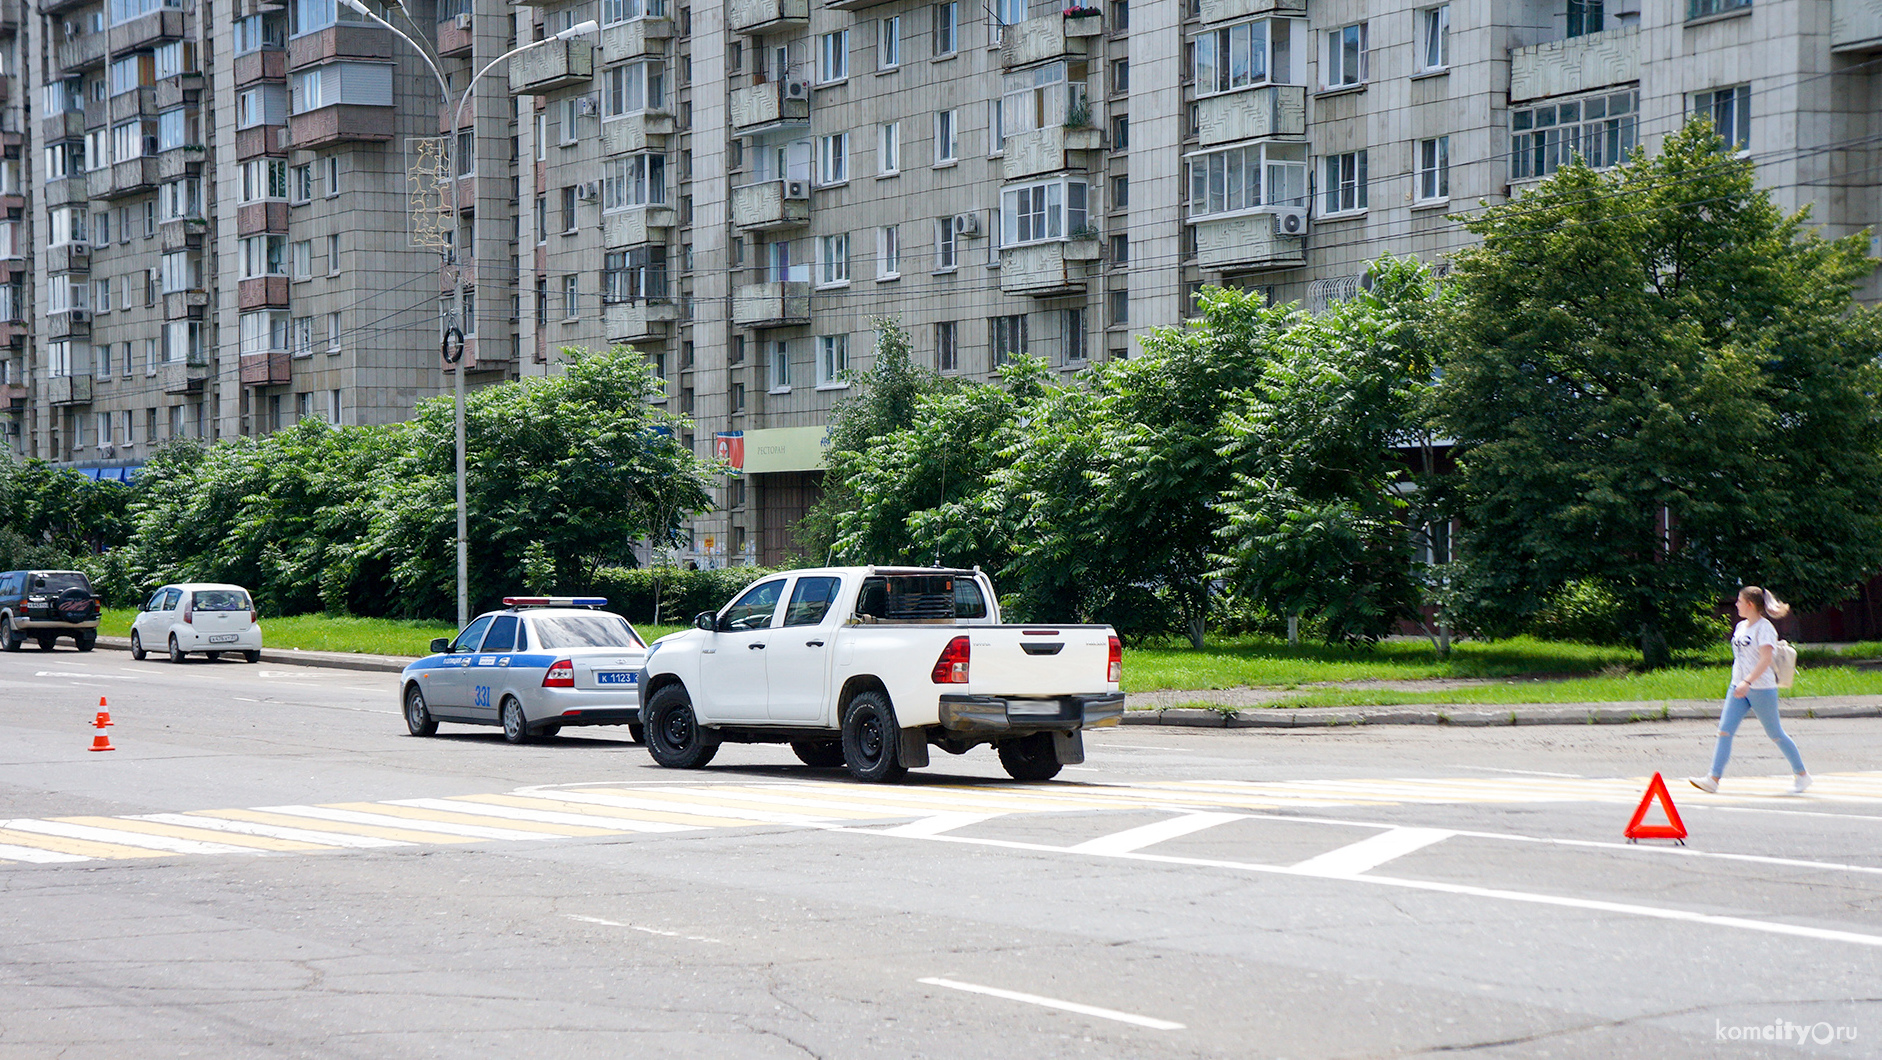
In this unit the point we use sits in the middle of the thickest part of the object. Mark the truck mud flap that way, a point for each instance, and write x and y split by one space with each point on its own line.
914 750
1069 747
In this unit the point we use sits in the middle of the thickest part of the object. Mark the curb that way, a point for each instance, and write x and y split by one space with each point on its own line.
331 660
1576 714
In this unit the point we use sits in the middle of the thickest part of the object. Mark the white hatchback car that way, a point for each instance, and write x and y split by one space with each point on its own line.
199 617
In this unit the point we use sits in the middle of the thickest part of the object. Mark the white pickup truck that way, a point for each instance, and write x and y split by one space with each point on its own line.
866 667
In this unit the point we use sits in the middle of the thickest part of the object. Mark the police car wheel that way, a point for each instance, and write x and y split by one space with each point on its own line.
515 724
674 736
418 719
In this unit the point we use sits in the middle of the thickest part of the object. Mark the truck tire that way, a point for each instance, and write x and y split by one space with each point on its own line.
86 641
872 741
1030 757
9 640
674 736
822 754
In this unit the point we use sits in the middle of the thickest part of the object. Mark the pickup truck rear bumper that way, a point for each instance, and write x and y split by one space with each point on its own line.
975 714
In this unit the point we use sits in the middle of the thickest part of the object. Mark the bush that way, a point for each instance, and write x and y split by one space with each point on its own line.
1589 612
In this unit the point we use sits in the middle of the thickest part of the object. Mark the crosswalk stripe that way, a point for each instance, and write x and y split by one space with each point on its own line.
1371 852
203 819
1137 838
626 820
926 798
10 852
403 835
82 847
939 824
582 801
467 831
580 823
723 816
174 831
120 837
449 814
772 798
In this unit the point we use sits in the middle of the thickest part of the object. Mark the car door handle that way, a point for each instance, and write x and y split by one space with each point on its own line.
813 644
754 647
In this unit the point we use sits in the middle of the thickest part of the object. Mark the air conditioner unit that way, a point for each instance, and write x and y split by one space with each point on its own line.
1290 221
797 189
796 90
77 316
464 21
587 106
591 189
966 224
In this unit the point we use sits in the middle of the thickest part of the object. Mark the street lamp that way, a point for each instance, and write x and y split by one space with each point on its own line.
450 266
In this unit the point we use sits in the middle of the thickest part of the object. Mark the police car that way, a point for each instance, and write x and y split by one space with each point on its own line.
538 665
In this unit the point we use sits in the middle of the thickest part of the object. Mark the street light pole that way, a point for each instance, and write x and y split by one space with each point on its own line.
451 265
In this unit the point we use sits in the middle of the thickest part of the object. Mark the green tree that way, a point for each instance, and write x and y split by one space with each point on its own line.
1660 383
49 514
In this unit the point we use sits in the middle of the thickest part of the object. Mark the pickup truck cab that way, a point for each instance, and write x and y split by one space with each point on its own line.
868 667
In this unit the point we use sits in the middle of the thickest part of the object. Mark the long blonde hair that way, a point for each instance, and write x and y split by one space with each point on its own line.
1768 605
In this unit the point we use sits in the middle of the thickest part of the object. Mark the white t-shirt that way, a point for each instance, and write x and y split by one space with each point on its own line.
1747 638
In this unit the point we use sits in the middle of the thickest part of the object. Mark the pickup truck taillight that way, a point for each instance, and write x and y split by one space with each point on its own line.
1114 669
560 675
951 667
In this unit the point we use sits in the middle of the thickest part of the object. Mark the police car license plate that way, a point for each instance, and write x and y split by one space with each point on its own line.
616 677
223 638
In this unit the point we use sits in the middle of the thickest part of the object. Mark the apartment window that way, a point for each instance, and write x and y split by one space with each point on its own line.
261 105
101 303
303 338
264 178
1434 169
542 218
303 405
1118 307
150 218
1120 133
946 249
1434 37
1588 16
1603 130
947 350
889 43
67 294
571 297
333 254
256 32
1051 209
833 359
996 127
833 56
1703 8
68 225
65 159
568 210
262 255
59 357
132 72
780 366
308 16
1120 192
889 148
633 87
1120 249
888 252
1006 337
334 328
1344 182
333 407
635 275
636 180
947 25
1730 111
1072 336
947 139
301 252
1243 55
834 158
1120 14
333 175
833 259
1345 60
132 139
177 128
263 332
179 199
181 271
1248 178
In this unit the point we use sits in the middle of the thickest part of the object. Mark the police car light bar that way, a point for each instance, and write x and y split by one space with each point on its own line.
555 601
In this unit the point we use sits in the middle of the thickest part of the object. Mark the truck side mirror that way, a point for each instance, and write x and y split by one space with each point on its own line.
707 621
440 645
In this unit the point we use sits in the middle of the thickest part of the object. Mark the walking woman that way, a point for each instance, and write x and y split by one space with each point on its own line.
1754 686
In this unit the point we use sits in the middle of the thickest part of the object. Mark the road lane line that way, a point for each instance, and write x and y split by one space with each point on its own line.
1146 835
637 927
19 853
146 826
467 831
304 835
402 835
937 824
466 817
122 838
1053 1002
1371 852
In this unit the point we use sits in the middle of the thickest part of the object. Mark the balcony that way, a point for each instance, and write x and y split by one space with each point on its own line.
184 234
178 377
1855 26
1578 64
1050 150
68 257
455 40
763 16
148 30
479 359
341 123
67 126
1225 10
265 369
269 64
185 305
77 53
178 90
69 323
13 396
634 38
645 131
131 177
1038 40
55 7
1246 241
771 305
137 103
557 64
1276 110
767 206
342 41
634 228
640 321
184 161
261 292
757 106
258 140
1047 270
852 5
69 390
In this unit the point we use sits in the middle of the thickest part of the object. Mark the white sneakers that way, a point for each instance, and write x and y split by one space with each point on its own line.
1705 784
1799 783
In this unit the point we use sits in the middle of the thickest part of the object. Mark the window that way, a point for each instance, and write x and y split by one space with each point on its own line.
889 43
889 148
264 332
571 297
181 271
569 224
133 139
59 357
333 254
1120 250
1345 62
132 72
1434 169
264 178
68 225
946 250
542 218
1072 338
363 84
101 303
947 351
632 88
1703 8
834 158
150 218
301 183
780 366
636 180
1006 336
67 294
833 359
1434 37
302 337
1247 178
65 159
1007 13
1120 133
634 275
947 138
1120 14
261 105
888 252
179 199
996 127
613 11
309 16
256 32
334 327
1032 213
571 111
174 58
1120 76
333 175
303 255
1120 192
1730 111
1603 130
833 57
263 255
177 128
333 406
1118 306
947 25
1587 16
1242 55
833 259
1344 182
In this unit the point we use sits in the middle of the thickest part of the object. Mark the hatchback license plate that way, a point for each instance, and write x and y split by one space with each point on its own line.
1032 707
223 638
615 677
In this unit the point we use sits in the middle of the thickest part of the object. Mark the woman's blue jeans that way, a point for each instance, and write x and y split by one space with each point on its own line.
1762 702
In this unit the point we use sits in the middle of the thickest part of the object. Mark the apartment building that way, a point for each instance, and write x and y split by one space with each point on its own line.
738 189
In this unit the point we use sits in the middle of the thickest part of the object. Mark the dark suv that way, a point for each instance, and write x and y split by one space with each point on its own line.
44 605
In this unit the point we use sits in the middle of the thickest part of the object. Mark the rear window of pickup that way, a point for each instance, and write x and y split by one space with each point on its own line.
920 597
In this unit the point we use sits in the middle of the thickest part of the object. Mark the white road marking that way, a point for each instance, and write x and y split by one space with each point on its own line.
271 831
1141 746
1525 772
939 823
1137 838
244 699
484 809
9 851
1372 852
1053 1002
637 927
127 839
62 673
383 820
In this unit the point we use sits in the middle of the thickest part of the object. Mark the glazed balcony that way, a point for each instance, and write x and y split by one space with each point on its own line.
759 106
1276 110
764 16
341 123
69 390
1047 270
634 38
181 377
1225 10
1246 241
262 292
557 64
1050 150
69 323
67 126
634 228
1048 37
768 206
266 369
640 321
645 131
68 257
771 305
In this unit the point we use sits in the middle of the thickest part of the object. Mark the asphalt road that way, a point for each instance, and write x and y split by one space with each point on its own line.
268 866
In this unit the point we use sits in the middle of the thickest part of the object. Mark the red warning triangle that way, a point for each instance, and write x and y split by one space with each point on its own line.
1673 829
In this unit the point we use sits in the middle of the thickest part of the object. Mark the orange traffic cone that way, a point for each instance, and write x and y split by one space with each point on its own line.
102 742
104 716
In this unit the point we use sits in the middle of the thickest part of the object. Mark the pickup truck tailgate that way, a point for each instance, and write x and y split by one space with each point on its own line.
1038 660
